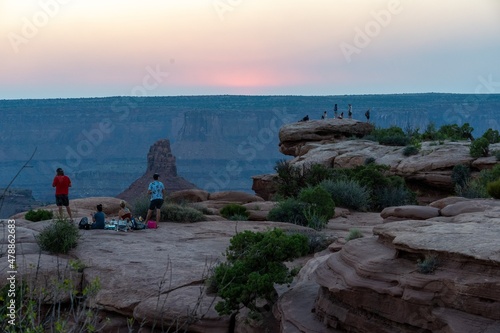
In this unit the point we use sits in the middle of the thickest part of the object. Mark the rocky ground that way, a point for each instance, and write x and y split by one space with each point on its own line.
156 276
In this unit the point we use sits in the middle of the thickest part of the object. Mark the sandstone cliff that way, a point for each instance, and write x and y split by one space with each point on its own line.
162 161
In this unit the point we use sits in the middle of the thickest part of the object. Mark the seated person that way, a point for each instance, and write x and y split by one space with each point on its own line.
124 213
98 218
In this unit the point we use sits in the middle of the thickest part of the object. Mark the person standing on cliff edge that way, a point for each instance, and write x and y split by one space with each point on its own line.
157 191
62 183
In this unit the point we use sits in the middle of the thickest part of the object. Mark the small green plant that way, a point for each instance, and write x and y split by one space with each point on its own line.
369 160
496 153
479 148
428 265
39 215
290 179
245 277
77 265
493 189
410 150
238 217
315 221
231 210
353 234
348 193
460 175
289 210
59 237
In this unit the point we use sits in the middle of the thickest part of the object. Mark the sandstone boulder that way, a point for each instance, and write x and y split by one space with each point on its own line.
191 195
234 196
264 185
410 212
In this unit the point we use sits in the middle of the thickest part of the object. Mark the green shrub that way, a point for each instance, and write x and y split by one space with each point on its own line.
315 221
430 132
230 210
353 234
492 136
141 206
318 200
239 217
255 263
496 153
428 265
59 237
290 180
369 160
316 173
410 150
396 140
39 215
479 148
289 210
392 136
393 196
460 175
493 189
179 213
348 193
473 188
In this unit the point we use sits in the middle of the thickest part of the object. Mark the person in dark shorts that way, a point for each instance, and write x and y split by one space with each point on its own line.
156 190
98 218
62 183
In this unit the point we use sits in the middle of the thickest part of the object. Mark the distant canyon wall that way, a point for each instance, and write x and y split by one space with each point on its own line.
219 141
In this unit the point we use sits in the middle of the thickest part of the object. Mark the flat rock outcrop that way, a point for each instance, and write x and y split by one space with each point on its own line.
293 136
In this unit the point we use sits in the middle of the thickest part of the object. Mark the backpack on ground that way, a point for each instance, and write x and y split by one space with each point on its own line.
137 225
84 223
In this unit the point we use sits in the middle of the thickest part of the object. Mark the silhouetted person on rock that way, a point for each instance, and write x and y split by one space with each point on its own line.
349 111
306 118
62 183
324 115
341 115
367 115
335 110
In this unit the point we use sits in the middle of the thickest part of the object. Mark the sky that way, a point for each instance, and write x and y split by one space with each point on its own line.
98 48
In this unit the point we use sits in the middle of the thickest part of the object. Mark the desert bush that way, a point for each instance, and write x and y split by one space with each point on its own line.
430 132
290 179
496 153
493 189
472 189
39 215
59 237
245 277
492 136
289 210
141 206
316 173
460 175
314 220
230 210
179 213
393 196
392 136
318 201
410 150
353 234
369 160
348 193
479 148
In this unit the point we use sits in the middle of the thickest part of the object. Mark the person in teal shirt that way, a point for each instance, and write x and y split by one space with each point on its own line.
98 218
157 191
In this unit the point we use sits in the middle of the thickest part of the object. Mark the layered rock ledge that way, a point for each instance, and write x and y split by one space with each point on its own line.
374 284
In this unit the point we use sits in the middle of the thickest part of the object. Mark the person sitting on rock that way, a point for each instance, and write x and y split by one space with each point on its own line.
98 218
124 213
324 116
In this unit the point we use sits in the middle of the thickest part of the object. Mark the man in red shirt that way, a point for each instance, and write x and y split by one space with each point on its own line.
62 184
